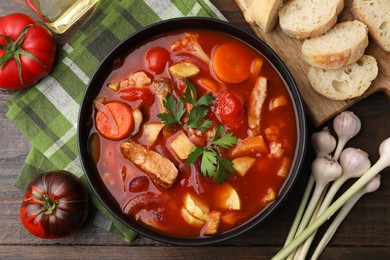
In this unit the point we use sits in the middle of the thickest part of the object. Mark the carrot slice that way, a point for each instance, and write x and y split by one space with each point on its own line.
248 146
114 120
232 62
208 85
278 102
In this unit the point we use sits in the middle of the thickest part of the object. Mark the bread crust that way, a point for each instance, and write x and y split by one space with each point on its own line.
347 82
263 13
305 31
338 58
362 12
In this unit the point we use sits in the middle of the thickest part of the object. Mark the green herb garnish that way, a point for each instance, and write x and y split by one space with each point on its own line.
196 114
190 96
212 164
175 108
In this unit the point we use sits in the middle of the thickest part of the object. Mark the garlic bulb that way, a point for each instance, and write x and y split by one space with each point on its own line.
325 170
346 125
354 162
323 142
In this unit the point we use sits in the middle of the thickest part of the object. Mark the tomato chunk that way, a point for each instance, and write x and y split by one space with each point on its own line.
230 110
114 120
144 95
232 62
157 57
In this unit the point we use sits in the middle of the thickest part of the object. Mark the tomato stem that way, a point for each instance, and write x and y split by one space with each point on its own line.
13 50
50 204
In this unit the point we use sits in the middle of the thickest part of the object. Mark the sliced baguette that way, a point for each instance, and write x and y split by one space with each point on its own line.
347 82
263 13
342 45
302 19
376 15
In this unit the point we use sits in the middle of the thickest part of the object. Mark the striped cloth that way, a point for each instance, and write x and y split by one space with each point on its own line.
47 112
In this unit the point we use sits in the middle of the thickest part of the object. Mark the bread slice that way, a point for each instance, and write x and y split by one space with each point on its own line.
342 45
309 18
263 13
347 82
376 15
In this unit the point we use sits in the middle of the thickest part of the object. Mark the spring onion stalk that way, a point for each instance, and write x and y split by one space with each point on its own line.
354 163
323 143
324 170
372 186
382 163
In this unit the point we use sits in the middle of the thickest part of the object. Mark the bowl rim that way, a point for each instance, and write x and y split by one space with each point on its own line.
146 34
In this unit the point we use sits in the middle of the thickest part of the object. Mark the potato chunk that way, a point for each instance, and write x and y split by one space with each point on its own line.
184 69
227 197
284 169
138 118
182 146
242 164
194 211
152 130
191 219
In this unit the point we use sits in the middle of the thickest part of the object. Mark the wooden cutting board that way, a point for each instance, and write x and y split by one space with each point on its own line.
320 108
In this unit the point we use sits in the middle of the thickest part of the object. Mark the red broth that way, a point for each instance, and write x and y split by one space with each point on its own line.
136 193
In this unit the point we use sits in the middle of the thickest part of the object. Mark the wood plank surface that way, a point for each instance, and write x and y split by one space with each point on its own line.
364 234
319 108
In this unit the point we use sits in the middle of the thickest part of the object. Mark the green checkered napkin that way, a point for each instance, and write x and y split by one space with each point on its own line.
47 112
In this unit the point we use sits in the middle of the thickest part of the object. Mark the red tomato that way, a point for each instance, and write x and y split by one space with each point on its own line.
144 95
157 58
55 205
22 37
230 110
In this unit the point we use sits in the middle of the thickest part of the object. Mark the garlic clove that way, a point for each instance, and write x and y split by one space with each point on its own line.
346 125
323 142
325 169
354 162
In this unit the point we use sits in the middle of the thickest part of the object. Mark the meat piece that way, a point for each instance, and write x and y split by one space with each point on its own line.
256 101
161 170
162 86
138 79
212 223
276 150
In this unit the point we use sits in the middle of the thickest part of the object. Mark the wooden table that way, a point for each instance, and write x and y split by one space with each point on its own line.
364 235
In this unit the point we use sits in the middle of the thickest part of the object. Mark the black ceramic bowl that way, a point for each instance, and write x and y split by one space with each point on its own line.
105 69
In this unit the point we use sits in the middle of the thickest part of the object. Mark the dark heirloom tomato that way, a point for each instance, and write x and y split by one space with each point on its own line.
55 205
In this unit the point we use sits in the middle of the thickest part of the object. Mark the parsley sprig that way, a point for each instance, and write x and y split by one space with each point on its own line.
211 163
176 110
196 114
